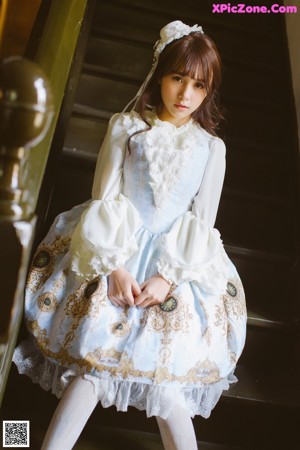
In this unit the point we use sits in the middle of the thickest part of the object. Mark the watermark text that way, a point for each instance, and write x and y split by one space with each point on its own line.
242 8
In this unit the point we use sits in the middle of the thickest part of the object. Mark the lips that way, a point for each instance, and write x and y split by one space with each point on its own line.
179 106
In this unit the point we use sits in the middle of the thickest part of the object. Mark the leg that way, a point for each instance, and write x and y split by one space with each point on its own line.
177 430
71 415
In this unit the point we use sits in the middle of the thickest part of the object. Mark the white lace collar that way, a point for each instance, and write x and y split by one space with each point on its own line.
155 121
133 122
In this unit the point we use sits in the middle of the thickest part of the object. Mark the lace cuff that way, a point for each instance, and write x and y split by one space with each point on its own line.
104 238
192 251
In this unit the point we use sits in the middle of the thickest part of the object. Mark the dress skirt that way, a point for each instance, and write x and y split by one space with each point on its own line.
183 351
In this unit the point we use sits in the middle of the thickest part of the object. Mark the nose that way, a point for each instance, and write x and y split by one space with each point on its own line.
184 93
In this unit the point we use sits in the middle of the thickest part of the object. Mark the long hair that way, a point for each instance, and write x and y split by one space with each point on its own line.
196 56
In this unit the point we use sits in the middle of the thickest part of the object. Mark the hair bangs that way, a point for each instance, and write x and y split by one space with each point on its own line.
189 60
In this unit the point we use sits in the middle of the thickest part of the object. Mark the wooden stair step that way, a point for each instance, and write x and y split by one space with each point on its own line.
270 321
104 93
274 386
234 82
270 226
252 124
85 136
115 57
267 279
243 167
265 345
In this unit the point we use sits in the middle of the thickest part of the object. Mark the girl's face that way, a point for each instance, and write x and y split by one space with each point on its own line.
181 96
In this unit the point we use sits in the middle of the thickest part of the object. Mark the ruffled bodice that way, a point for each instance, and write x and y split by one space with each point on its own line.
164 169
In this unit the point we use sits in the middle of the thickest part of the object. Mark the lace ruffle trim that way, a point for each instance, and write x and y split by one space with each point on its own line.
212 275
192 251
167 149
156 400
94 263
105 237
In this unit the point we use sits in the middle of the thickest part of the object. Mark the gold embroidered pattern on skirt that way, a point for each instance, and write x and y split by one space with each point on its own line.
43 261
205 372
172 315
47 302
40 335
234 299
85 302
122 327
168 317
221 318
110 356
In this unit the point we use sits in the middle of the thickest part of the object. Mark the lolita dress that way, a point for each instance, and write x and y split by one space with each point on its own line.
152 211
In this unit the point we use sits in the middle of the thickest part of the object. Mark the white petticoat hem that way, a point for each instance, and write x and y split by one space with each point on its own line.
155 400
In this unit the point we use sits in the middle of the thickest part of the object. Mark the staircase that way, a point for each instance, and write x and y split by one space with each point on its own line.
257 216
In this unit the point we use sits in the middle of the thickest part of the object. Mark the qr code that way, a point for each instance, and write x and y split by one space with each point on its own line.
15 433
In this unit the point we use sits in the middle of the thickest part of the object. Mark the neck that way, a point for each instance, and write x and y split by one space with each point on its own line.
168 118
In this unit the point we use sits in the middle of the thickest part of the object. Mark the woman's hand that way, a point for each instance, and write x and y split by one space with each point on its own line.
154 291
122 288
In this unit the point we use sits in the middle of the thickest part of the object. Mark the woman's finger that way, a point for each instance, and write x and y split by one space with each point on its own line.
140 298
128 298
148 302
113 302
143 285
136 289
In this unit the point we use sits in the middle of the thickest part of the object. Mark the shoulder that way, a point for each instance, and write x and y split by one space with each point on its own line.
128 123
216 144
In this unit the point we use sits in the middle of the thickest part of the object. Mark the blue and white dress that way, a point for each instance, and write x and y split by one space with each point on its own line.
152 211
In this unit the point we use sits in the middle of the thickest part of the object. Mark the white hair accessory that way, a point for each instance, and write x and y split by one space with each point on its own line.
169 33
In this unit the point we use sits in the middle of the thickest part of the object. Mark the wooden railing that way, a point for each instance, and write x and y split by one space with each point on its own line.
32 101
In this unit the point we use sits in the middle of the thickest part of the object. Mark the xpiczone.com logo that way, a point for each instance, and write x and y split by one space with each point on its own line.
242 8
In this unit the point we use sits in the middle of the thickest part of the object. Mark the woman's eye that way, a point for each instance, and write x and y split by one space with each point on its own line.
177 78
200 85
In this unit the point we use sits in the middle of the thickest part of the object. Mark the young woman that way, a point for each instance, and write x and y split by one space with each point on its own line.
131 298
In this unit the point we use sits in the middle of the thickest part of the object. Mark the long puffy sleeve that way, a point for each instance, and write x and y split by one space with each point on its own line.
192 250
104 238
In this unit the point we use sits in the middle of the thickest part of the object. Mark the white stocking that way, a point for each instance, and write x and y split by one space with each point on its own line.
177 430
71 415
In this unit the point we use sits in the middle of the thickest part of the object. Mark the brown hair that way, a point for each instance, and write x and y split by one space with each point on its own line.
190 55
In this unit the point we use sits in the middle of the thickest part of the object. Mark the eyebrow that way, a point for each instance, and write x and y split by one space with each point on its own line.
186 75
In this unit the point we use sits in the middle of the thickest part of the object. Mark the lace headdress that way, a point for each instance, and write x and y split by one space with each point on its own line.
169 33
